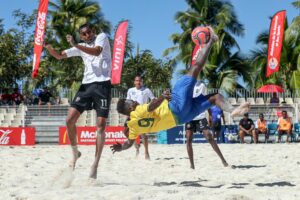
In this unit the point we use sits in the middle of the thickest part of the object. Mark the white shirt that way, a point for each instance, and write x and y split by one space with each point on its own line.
199 89
97 68
141 95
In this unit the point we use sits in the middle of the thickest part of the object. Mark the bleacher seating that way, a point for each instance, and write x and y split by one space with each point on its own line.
251 101
259 101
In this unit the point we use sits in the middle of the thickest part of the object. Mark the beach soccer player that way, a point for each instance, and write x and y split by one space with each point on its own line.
172 109
95 90
142 95
200 123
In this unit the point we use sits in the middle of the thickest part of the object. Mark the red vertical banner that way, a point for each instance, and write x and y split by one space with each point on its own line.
118 52
39 36
275 42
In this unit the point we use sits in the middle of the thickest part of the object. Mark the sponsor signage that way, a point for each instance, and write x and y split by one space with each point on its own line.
176 135
87 135
17 136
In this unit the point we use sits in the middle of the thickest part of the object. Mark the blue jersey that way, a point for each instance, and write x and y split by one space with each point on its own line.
216 113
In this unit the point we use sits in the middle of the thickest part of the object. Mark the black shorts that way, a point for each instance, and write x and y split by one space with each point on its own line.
197 125
216 126
282 132
96 96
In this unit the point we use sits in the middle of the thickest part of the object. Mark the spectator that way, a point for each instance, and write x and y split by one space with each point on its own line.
142 95
284 126
6 97
246 127
44 98
215 115
261 128
27 100
16 97
274 98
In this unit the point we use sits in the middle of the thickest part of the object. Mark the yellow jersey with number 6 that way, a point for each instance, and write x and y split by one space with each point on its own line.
142 122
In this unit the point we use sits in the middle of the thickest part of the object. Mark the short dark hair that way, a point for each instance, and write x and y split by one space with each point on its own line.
261 114
123 106
284 111
87 25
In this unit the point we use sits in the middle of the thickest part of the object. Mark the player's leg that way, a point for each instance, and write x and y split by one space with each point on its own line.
71 120
214 145
101 93
202 103
137 148
189 131
146 146
279 136
288 135
100 140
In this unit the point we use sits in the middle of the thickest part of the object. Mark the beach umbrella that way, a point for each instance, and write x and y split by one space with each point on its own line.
270 89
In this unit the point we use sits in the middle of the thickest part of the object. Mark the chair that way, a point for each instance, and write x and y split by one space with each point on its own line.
289 101
259 101
272 131
241 100
296 132
64 101
251 101
232 101
297 100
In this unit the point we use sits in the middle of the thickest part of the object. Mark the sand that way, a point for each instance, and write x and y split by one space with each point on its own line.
263 171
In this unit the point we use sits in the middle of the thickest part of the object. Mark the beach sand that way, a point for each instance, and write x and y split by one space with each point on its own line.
263 171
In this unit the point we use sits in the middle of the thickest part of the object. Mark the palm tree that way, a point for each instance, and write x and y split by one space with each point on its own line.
221 16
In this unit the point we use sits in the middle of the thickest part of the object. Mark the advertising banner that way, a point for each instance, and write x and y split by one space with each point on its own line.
86 135
17 136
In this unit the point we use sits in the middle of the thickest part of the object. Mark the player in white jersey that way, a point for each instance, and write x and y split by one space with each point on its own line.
142 95
200 124
95 90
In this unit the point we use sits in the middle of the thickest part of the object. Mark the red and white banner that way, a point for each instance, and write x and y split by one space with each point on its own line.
86 135
118 52
17 136
195 53
275 42
39 36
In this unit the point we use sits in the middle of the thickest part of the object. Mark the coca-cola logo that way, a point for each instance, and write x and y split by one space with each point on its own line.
40 25
4 139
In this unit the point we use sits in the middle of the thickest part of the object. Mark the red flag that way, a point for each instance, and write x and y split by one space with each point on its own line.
39 35
118 52
275 42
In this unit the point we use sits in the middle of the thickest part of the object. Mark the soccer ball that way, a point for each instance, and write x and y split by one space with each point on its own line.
200 35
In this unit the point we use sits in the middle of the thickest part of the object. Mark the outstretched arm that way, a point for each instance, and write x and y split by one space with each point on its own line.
121 147
56 54
95 51
155 103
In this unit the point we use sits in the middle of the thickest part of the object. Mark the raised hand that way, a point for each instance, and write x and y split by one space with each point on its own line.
70 39
116 147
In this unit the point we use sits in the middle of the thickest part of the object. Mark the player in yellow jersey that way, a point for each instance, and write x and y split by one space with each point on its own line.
172 109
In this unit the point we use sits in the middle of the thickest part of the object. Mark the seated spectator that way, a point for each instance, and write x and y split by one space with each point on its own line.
284 126
261 128
27 100
274 98
246 127
44 98
6 97
16 97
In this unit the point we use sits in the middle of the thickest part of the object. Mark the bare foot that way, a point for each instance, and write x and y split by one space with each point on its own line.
75 158
147 156
93 173
225 164
242 109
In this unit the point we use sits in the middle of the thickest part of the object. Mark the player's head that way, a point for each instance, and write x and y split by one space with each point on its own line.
138 81
87 33
246 115
125 106
284 114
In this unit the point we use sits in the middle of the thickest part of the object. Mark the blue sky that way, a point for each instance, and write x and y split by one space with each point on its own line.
153 21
